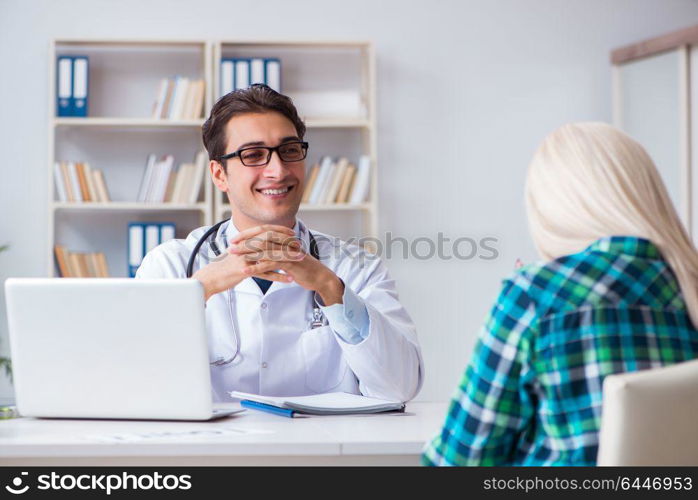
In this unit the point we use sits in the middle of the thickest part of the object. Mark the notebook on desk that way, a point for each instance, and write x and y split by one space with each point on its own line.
332 403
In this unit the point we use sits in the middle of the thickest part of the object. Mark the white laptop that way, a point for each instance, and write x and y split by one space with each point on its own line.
110 348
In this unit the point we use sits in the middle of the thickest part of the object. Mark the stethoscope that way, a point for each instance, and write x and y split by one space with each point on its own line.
318 319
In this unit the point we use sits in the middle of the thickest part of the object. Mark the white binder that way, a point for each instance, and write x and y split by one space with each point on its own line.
80 84
65 87
273 73
242 73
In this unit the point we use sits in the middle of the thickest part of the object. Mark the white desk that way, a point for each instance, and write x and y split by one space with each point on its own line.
251 438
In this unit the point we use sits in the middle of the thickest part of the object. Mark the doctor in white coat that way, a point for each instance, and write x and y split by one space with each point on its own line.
289 311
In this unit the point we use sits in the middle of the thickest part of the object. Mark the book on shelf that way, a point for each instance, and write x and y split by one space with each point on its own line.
332 182
73 181
241 72
347 183
59 176
163 170
78 182
101 185
310 182
80 264
322 180
147 178
82 182
338 172
179 98
163 183
155 177
359 191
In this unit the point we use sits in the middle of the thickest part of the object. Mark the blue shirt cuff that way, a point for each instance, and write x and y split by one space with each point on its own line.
349 319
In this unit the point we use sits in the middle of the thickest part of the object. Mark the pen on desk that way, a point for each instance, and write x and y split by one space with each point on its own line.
254 405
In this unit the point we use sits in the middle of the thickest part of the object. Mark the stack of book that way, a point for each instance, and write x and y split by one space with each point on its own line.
179 99
240 73
330 182
162 183
80 265
77 182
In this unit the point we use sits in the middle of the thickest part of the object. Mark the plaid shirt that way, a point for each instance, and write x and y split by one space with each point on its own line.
532 392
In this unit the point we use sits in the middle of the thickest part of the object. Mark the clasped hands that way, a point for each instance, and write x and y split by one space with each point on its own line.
262 252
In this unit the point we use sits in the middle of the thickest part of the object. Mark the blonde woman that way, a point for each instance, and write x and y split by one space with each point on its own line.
618 292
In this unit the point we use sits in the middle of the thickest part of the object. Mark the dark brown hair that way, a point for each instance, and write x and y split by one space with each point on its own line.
258 98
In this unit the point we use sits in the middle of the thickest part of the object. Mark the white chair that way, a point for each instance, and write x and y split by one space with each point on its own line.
650 417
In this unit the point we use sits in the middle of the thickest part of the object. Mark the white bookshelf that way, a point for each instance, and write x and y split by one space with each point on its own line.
314 67
117 136
119 133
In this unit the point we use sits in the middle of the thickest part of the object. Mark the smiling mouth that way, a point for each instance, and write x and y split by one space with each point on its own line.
276 193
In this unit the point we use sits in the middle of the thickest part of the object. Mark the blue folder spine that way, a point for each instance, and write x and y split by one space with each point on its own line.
64 86
81 85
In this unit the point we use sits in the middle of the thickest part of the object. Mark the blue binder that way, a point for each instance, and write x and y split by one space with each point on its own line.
231 77
136 247
167 231
242 73
272 73
64 86
81 81
227 83
257 70
137 244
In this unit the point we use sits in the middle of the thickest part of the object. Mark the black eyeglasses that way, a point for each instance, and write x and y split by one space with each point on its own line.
259 156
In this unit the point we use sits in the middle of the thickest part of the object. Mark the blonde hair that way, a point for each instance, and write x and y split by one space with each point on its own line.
590 180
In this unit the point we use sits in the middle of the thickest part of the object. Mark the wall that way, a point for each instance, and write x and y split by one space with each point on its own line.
466 90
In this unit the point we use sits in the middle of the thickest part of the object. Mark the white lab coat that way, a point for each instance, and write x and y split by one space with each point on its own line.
279 354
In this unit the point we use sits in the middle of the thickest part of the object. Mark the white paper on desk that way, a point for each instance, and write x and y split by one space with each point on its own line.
178 435
329 403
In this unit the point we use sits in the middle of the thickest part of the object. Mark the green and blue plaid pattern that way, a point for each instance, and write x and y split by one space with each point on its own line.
532 393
